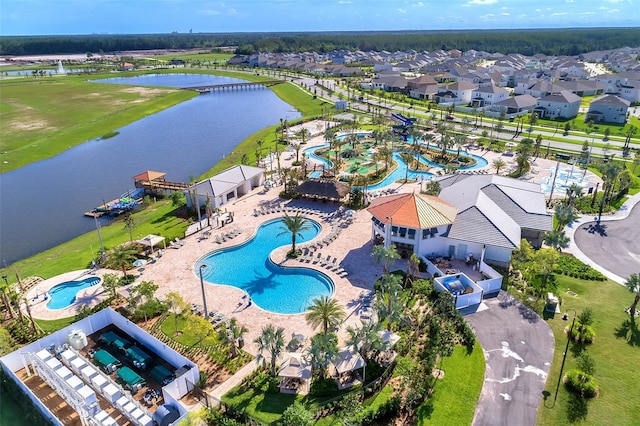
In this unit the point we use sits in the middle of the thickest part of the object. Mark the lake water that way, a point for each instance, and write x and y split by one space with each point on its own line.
43 203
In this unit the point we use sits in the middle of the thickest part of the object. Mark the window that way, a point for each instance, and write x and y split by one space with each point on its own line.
403 232
412 234
425 234
394 231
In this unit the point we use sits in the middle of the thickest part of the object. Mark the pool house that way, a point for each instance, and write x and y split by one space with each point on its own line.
476 221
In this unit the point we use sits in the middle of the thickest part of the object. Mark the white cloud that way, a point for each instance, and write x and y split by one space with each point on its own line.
505 14
482 2
402 11
489 15
558 13
614 10
587 13
210 12
344 2
418 4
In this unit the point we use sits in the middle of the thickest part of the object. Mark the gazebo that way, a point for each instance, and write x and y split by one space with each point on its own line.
151 241
323 189
346 367
295 375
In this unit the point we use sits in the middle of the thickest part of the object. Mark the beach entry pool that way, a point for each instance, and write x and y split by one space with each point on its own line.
271 287
64 294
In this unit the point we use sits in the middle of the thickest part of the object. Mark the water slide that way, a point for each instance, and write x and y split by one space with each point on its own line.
404 128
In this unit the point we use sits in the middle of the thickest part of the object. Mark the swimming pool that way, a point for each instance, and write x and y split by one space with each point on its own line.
64 294
271 287
401 170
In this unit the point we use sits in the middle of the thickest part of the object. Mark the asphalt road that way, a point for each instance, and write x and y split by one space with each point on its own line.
518 347
614 245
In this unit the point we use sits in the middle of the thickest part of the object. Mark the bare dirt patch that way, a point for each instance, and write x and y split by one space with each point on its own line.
144 91
29 125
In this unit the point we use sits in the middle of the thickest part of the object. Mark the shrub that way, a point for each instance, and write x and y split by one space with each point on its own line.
570 266
582 333
323 387
581 383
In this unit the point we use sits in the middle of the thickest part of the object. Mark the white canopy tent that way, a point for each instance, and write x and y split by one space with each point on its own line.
152 240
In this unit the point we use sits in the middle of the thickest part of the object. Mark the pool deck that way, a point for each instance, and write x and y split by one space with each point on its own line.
88 296
174 271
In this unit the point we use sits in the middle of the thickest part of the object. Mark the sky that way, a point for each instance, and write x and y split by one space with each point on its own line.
49 17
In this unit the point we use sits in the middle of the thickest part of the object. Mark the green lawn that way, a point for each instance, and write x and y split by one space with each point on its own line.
49 326
267 407
168 328
616 352
43 117
456 395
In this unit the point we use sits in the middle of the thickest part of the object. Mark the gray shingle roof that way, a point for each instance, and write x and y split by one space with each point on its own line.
496 208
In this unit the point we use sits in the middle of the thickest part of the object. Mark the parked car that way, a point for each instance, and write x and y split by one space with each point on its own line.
450 117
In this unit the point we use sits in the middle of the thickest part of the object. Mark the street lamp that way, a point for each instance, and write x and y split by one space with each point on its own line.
390 219
204 299
564 357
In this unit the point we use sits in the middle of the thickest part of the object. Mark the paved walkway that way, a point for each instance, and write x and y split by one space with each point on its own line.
233 381
599 259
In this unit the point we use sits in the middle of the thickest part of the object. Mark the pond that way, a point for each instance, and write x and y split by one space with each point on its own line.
43 203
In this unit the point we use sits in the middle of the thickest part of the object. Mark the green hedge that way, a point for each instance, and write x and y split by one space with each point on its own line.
572 267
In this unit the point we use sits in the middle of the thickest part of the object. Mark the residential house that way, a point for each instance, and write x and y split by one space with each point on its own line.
608 109
488 95
458 93
561 105
521 104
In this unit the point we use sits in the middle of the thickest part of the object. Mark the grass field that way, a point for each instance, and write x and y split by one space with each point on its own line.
203 57
456 395
168 327
616 352
42 117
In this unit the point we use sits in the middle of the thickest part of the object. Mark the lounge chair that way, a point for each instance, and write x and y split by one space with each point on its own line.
317 259
325 262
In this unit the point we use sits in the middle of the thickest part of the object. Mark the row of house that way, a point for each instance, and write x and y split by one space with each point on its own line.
551 86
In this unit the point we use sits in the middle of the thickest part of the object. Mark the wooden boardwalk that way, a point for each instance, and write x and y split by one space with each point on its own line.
232 86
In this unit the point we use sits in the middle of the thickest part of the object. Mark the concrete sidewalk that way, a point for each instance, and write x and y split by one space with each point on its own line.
571 229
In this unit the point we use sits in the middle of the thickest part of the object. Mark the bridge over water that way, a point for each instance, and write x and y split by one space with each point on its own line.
233 86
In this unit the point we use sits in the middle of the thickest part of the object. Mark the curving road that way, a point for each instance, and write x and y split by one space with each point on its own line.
613 244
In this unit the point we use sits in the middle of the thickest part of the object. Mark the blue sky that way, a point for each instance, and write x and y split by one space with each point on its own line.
38 17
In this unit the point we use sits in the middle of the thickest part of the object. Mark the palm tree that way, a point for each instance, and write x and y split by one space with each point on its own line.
389 303
234 333
556 239
413 266
537 145
325 313
385 255
564 214
498 164
365 339
121 256
323 350
271 340
633 284
294 225
573 191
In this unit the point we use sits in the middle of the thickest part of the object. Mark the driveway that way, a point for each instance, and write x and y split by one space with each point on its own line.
518 348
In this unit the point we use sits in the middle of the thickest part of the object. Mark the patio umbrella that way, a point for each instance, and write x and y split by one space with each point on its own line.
350 212
511 144
139 262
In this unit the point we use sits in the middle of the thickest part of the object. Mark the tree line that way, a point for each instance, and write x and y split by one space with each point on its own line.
573 41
